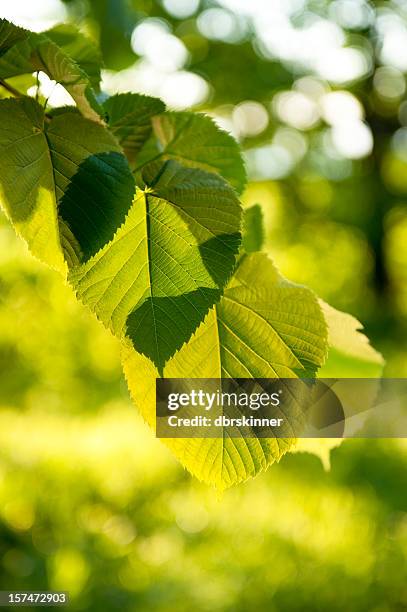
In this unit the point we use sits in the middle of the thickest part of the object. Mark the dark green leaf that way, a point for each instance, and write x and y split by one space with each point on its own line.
129 116
10 35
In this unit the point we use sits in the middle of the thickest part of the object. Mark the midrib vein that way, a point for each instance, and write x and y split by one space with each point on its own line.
149 261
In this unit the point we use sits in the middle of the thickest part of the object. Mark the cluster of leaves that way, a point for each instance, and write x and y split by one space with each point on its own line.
139 208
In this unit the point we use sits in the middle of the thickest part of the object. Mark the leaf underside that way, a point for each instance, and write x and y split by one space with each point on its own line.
24 52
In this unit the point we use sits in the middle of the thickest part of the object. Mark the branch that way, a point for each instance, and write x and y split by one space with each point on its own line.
10 89
18 94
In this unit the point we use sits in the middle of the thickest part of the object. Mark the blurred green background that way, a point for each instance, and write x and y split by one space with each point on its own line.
90 502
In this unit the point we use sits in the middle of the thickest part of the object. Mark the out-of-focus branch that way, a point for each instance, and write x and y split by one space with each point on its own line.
10 89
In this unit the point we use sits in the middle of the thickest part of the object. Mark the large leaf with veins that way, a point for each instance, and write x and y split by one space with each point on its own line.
263 327
167 266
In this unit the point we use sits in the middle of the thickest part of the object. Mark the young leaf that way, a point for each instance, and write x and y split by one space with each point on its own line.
56 192
196 141
253 229
129 117
278 330
31 52
168 263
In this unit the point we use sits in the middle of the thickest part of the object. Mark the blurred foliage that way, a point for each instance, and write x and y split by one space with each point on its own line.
89 500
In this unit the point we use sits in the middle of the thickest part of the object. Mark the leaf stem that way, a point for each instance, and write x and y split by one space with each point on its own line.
10 89
37 84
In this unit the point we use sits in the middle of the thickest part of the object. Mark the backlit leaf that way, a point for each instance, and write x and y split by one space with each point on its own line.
57 191
275 330
168 264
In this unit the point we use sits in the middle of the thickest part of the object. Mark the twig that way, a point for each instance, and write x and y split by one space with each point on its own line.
37 83
18 94
10 89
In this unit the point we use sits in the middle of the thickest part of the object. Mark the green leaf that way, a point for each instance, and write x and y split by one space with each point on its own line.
269 330
31 52
266 326
27 189
253 229
168 264
10 35
195 140
129 117
57 192
80 48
